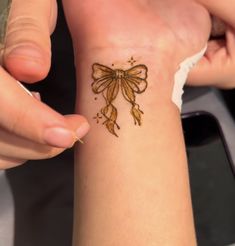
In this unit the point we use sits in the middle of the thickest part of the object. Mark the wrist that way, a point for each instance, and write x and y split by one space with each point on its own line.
161 65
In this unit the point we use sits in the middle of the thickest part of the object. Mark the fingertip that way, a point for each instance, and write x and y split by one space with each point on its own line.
74 120
78 124
27 64
82 130
78 117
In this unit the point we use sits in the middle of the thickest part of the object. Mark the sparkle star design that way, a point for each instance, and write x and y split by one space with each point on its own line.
98 117
132 61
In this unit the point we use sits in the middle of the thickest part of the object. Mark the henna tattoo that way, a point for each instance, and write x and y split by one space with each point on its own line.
98 117
110 81
132 61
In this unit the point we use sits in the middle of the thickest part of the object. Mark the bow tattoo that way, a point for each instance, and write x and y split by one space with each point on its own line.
109 82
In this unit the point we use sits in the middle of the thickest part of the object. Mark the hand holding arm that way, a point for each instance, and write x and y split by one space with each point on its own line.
217 66
30 129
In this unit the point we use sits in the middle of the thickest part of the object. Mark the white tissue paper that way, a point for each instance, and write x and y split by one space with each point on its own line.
182 74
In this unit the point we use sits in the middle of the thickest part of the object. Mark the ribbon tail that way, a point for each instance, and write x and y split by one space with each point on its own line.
110 113
136 114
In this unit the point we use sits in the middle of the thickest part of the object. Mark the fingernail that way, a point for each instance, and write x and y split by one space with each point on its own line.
82 130
27 52
36 95
59 137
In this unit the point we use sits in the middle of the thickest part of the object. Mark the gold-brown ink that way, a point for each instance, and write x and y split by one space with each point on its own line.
98 117
132 61
109 82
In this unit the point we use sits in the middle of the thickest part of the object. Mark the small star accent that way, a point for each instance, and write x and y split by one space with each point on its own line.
97 117
132 61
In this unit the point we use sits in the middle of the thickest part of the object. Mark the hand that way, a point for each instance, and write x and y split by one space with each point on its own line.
30 129
217 66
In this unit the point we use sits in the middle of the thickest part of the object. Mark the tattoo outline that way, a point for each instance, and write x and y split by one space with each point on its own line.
109 82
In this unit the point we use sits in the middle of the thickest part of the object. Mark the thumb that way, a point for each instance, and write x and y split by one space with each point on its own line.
27 51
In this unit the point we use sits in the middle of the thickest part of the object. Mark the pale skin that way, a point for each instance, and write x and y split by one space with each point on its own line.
217 66
35 22
132 190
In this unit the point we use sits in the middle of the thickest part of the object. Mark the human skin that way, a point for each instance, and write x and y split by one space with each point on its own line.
30 71
30 129
29 31
30 27
133 189
217 66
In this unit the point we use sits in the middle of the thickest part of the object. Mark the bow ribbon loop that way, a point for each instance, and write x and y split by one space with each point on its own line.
109 81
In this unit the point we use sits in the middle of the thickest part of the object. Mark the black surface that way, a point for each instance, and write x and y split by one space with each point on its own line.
212 181
191 93
43 190
229 98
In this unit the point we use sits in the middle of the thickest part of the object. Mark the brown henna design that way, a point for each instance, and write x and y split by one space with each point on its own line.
110 81
98 117
132 61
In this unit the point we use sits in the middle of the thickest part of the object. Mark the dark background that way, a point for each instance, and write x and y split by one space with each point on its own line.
43 190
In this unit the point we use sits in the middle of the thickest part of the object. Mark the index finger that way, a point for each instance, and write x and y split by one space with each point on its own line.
25 116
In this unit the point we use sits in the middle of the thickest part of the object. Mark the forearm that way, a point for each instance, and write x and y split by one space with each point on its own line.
132 189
